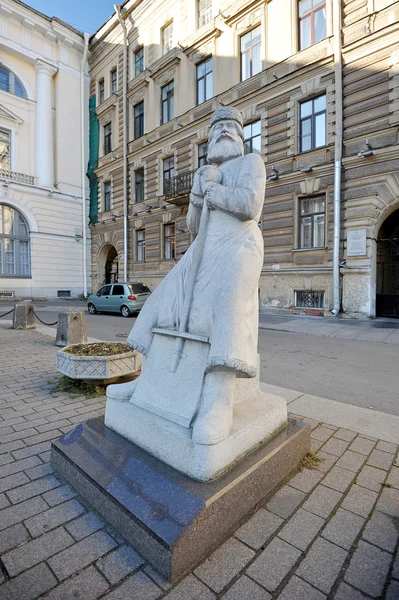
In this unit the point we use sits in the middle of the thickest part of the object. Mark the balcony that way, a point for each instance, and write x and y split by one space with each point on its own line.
7 175
177 189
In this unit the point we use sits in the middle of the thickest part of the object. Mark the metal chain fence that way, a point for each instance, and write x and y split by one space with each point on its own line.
42 322
7 313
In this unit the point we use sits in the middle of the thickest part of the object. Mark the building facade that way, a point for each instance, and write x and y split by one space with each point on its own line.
41 219
317 82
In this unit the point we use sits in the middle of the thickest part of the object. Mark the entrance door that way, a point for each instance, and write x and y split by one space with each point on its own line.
387 304
111 266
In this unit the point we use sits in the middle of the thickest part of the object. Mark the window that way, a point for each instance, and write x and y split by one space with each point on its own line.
312 22
204 12
107 195
168 173
167 102
138 61
250 53
204 81
202 154
107 138
140 245
252 137
311 222
104 291
139 185
309 299
312 130
10 83
5 149
114 81
167 38
14 243
138 120
118 290
169 241
101 91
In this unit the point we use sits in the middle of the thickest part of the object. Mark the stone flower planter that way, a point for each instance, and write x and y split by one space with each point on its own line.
97 367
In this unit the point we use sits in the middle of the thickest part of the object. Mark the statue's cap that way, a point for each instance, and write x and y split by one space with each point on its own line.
227 113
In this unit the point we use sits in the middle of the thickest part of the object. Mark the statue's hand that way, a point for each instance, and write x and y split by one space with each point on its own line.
209 175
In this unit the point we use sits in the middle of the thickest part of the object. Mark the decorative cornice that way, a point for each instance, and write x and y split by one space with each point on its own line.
44 67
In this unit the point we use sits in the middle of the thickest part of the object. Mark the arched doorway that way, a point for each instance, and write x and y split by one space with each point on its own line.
388 267
108 265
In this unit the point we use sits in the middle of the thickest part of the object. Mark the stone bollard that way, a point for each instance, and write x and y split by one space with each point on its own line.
71 328
23 317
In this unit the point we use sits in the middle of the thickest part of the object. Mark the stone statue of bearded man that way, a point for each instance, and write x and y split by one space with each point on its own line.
227 264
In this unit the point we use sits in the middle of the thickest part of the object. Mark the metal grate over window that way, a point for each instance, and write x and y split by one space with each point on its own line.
309 299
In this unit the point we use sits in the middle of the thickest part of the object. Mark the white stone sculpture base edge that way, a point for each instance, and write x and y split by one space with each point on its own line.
255 420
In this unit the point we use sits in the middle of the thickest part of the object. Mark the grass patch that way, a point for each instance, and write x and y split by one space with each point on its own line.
310 461
98 349
75 387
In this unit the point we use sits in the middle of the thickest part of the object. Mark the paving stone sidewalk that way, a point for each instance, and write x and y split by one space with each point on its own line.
329 532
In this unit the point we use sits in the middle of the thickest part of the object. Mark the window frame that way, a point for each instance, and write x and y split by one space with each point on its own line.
203 80
16 238
250 49
138 61
140 245
168 101
101 91
170 161
311 215
251 138
167 38
13 80
202 158
311 13
107 139
9 143
140 183
138 120
114 82
107 191
169 241
312 117
204 10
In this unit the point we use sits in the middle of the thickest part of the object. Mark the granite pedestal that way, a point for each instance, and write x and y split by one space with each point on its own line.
171 519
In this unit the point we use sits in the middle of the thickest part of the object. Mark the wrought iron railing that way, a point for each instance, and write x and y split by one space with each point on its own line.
14 176
180 185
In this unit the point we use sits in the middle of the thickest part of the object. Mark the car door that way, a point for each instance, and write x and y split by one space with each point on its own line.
103 295
117 297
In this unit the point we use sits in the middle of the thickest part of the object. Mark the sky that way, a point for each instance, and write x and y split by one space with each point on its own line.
85 15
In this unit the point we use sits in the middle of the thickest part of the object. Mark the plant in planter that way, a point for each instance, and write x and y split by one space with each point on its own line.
105 361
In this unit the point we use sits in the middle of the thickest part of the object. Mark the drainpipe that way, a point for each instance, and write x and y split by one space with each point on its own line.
336 283
83 157
117 8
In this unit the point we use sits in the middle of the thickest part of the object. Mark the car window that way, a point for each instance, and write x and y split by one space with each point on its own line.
139 288
104 291
118 290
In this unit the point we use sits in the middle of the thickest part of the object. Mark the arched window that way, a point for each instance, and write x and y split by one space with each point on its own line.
14 243
10 83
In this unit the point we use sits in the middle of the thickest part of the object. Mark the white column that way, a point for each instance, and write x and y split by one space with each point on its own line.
44 124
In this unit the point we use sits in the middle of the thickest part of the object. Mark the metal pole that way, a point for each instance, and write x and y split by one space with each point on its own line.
336 283
83 165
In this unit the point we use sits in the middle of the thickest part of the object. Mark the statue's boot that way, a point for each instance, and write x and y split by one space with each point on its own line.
215 414
124 391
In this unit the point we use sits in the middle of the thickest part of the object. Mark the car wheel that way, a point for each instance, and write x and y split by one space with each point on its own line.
125 311
91 308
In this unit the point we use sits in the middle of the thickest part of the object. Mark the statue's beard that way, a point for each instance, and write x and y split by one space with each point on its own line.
222 149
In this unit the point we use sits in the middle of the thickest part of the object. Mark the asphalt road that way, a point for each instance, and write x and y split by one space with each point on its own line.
354 372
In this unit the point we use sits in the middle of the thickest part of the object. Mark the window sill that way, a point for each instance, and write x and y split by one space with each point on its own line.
15 276
309 249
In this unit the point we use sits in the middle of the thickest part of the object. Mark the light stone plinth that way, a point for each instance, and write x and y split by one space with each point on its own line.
255 420
97 367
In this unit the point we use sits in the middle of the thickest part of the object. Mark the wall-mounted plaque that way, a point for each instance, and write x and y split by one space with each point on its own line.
356 242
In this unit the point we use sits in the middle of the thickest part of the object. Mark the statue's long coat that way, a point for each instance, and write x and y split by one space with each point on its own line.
225 300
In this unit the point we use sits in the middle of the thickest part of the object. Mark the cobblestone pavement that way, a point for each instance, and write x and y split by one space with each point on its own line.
330 532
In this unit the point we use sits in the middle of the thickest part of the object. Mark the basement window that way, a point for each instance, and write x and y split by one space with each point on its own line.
63 293
309 299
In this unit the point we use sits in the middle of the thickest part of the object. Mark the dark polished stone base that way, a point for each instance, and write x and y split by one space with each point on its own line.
172 520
